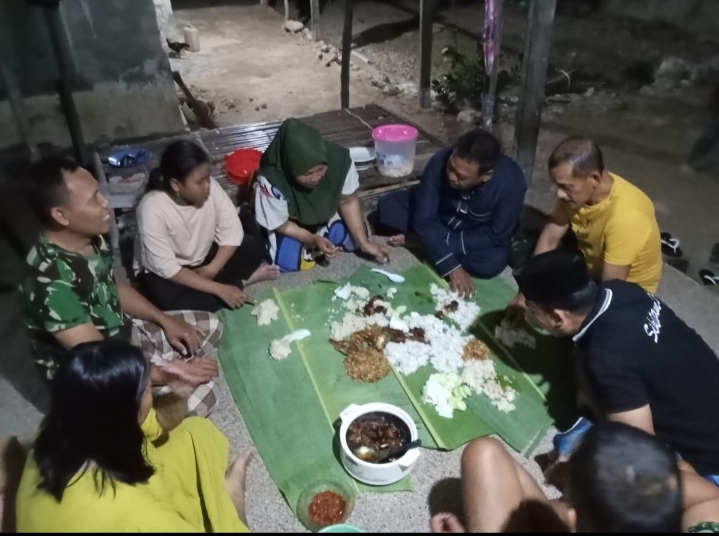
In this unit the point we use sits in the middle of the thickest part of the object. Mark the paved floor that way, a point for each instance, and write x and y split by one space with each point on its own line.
436 474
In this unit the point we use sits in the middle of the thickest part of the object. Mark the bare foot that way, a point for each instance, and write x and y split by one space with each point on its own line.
235 480
266 272
396 241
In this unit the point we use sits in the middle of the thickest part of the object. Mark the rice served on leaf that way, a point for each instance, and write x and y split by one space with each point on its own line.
380 339
280 349
511 334
448 302
354 297
438 343
481 376
266 312
374 337
407 357
352 322
446 342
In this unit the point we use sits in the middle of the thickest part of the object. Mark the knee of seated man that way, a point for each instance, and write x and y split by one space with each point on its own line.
482 452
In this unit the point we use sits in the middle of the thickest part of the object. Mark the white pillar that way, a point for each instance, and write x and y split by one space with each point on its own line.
165 19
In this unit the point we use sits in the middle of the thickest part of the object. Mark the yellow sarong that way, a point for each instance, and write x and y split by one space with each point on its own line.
186 494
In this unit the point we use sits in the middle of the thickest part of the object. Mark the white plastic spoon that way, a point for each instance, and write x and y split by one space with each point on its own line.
395 278
298 335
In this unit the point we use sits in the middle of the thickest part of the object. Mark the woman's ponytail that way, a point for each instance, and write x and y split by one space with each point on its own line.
154 181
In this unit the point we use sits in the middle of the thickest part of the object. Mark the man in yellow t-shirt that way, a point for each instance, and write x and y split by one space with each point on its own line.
613 220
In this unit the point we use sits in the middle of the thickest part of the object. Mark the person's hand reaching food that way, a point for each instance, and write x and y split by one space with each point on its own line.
461 282
379 251
516 309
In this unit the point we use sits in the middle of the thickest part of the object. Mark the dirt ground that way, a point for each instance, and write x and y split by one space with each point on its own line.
254 71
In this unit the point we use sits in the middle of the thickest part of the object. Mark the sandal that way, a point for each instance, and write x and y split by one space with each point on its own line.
670 246
708 277
565 442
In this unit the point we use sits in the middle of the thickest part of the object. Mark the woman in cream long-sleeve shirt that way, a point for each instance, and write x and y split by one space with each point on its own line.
193 251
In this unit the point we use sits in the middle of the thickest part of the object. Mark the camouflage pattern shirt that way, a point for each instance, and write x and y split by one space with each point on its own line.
63 290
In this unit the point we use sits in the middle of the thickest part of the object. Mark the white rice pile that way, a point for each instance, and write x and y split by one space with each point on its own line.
266 312
280 349
466 313
352 322
510 335
446 342
395 322
481 376
444 348
407 357
354 298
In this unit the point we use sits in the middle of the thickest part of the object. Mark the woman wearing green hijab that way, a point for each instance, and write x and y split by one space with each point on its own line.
305 199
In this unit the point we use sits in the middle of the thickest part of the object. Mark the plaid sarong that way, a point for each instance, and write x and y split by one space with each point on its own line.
157 349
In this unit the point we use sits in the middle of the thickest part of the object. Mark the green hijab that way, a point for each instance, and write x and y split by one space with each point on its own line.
296 149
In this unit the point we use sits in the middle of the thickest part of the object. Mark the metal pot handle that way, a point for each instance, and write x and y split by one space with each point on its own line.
349 409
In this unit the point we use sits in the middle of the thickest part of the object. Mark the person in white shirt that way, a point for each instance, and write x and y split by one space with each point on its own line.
193 250
305 199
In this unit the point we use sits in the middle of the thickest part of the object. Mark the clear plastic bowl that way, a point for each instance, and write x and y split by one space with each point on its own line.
344 528
395 146
307 494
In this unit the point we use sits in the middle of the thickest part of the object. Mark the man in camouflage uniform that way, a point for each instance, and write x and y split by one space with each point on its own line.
70 294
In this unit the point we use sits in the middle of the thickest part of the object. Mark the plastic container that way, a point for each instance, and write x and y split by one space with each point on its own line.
307 494
126 185
192 37
344 528
395 147
241 166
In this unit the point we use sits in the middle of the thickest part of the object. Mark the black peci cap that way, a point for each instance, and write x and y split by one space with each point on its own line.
553 276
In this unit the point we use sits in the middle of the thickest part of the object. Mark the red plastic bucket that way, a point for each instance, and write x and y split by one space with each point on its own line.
241 166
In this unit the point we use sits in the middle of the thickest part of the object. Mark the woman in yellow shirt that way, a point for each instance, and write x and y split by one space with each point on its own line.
103 463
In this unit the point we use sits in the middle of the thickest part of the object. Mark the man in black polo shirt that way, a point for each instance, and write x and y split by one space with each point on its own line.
644 366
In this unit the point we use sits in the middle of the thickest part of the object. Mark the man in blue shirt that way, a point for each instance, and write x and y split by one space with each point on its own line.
465 210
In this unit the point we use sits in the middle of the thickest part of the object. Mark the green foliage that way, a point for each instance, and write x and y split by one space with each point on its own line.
465 81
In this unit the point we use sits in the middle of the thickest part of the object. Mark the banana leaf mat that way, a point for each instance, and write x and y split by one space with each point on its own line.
292 407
